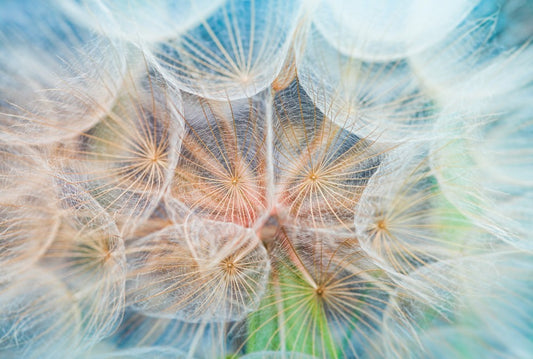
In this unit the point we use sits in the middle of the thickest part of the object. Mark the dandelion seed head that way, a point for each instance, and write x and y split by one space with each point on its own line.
265 179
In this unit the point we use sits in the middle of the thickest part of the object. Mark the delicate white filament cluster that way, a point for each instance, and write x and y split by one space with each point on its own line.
266 179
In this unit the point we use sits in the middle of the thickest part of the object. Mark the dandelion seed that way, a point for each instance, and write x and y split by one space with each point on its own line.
56 78
126 160
321 168
202 339
377 100
222 164
487 166
195 272
39 317
139 20
28 217
234 53
87 254
385 30
446 317
324 299
404 219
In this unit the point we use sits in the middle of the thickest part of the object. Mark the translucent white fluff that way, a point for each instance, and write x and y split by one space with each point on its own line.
29 219
234 53
199 271
39 317
377 100
154 352
462 68
87 254
126 161
140 20
388 29
475 306
56 78
485 165
403 219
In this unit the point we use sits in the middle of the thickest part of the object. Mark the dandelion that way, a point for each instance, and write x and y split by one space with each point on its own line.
265 179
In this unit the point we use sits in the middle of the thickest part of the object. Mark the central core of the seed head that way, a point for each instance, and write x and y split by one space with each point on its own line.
268 226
